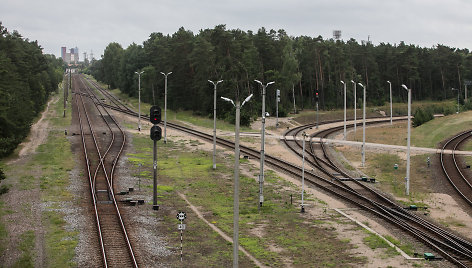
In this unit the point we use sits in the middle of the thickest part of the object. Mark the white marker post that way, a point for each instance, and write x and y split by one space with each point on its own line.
181 217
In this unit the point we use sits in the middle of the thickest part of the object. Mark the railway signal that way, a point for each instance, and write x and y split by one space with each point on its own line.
155 114
156 133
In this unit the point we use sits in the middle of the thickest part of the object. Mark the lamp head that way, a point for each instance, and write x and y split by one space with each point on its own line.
360 84
405 87
246 100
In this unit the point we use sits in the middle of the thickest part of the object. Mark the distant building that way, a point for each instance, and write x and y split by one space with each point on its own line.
63 53
71 57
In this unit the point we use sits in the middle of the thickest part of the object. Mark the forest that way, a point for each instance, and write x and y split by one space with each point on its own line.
300 67
27 78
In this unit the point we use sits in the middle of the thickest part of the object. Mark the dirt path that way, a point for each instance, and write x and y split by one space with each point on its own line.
38 134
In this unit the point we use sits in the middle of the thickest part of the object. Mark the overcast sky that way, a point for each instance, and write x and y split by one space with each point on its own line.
92 25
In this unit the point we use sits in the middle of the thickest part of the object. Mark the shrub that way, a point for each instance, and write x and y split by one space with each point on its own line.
2 175
4 189
422 116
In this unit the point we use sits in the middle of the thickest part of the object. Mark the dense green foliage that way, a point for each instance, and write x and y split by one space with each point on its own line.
27 77
299 66
422 116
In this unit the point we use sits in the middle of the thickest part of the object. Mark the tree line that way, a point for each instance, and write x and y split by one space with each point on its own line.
300 67
27 77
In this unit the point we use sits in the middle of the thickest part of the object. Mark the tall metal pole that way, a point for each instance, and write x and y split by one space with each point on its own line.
363 126
64 89
69 85
139 99
214 121
236 180
391 111
465 93
317 115
303 173
458 91
139 102
236 189
165 106
408 142
277 99
261 175
355 106
344 109
293 93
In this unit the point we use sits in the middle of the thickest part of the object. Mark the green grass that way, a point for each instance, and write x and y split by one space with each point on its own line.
434 131
26 246
47 170
3 229
60 244
407 248
308 115
374 241
190 172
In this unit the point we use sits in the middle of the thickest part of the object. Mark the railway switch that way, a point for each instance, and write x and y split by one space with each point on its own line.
156 133
155 114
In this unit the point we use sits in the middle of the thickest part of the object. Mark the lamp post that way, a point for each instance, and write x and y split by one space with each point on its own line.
363 126
165 106
390 102
457 99
344 109
261 175
277 100
355 106
139 99
236 180
214 121
408 142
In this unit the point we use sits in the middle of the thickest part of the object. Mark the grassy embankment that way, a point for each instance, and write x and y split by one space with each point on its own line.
47 173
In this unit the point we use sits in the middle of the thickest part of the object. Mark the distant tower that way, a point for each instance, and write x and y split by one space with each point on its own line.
91 55
63 53
76 52
337 34
85 56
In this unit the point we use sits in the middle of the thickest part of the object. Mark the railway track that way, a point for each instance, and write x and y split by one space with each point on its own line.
103 141
452 167
454 248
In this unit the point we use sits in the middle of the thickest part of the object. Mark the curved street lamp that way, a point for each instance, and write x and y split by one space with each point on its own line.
236 179
139 99
214 121
165 106
355 106
261 175
390 102
344 109
363 126
408 142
